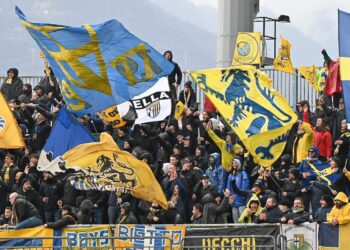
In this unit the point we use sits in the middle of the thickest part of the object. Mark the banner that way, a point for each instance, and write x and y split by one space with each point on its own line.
344 54
100 65
334 237
22 238
111 115
149 236
283 62
326 172
236 237
247 50
258 114
303 236
95 237
151 106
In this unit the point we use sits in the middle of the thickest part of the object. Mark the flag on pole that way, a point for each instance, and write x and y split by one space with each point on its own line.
98 66
103 166
310 74
258 114
66 133
10 133
344 53
283 62
151 106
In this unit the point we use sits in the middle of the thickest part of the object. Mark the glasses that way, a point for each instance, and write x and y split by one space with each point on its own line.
311 151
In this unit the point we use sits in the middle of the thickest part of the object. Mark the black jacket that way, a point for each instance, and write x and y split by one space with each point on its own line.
32 196
97 197
68 219
298 217
14 89
51 189
273 215
24 209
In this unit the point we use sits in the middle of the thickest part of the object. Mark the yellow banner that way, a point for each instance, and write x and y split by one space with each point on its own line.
150 236
111 115
283 61
179 109
258 114
34 237
10 133
95 237
310 74
247 50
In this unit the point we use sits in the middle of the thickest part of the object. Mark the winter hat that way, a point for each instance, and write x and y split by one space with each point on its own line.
328 199
294 171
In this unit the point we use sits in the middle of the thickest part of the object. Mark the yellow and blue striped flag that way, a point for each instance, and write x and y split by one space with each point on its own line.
344 53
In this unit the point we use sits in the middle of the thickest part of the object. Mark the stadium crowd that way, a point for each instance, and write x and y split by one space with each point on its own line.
204 169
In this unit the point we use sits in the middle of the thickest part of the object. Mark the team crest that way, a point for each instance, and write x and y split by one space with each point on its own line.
153 109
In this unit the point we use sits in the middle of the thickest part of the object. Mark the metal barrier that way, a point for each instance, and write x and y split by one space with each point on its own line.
146 242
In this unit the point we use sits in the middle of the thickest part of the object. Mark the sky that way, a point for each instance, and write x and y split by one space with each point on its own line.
316 19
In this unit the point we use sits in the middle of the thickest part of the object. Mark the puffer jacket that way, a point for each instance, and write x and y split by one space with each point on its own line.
12 90
216 173
213 212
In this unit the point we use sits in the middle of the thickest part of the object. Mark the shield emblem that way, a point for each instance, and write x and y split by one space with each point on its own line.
299 240
153 109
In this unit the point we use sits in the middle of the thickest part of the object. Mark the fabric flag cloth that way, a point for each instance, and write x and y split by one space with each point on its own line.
30 237
111 115
152 105
179 109
333 237
103 166
98 66
10 133
325 172
66 133
283 62
344 53
310 74
258 114
247 50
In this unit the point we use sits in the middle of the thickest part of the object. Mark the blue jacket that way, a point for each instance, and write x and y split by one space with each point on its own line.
305 168
242 182
217 174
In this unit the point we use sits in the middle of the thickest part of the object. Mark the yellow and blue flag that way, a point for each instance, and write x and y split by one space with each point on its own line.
310 74
10 133
344 53
283 62
103 166
332 237
66 133
327 174
98 66
40 238
258 114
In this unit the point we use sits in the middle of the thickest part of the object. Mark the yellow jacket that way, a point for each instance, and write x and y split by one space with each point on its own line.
226 155
342 214
245 217
304 143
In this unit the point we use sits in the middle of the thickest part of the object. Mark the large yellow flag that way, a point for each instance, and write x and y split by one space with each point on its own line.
103 166
247 50
283 62
111 115
310 74
259 115
10 133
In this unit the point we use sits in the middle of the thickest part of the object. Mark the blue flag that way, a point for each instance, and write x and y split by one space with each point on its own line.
66 133
98 66
327 174
344 54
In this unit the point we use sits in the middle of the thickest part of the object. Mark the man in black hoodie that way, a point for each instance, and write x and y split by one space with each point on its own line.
68 218
12 87
175 77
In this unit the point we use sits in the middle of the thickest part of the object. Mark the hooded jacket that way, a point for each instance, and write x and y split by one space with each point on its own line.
245 217
216 173
305 168
176 76
341 214
227 154
12 89
323 140
212 212
301 143
241 179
